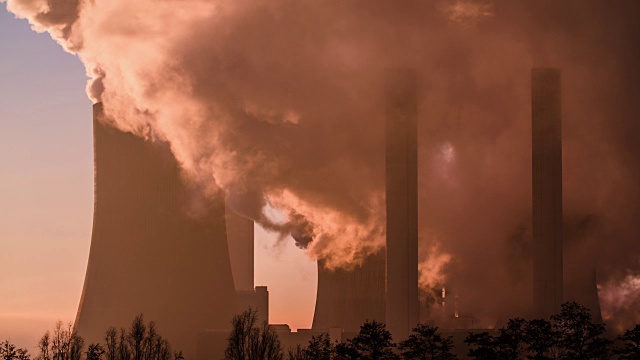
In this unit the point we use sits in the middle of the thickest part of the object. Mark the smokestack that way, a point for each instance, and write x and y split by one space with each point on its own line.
547 191
402 204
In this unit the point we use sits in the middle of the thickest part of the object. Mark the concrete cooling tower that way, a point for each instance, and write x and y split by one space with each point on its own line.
154 249
347 298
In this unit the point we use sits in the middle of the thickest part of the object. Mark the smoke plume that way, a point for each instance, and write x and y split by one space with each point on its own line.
281 104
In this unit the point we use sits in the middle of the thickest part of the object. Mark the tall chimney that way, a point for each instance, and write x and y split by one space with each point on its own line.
402 204
547 191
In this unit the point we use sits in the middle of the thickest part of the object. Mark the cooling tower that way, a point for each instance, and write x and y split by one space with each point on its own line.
347 298
402 204
156 247
547 192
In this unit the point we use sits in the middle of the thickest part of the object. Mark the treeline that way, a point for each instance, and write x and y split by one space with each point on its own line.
570 334
140 342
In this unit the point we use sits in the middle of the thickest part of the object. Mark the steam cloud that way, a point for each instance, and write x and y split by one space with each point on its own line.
280 104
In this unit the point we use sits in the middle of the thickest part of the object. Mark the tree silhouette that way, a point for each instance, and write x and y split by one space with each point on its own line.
320 347
249 340
44 346
95 352
631 344
298 353
346 351
123 352
9 351
111 344
540 338
142 342
136 337
578 337
425 343
510 343
63 344
481 346
374 342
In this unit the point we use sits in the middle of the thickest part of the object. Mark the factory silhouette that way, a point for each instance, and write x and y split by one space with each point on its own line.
186 262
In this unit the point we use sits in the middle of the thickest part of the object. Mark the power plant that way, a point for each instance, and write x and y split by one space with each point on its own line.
158 248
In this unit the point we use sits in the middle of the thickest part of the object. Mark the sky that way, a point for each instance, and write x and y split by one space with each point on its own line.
46 195
281 104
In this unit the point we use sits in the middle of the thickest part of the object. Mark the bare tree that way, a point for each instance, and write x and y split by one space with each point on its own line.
298 353
111 344
95 352
136 337
76 344
123 347
248 340
43 347
149 344
64 344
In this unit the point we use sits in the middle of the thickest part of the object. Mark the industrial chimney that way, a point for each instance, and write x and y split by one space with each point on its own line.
402 204
547 191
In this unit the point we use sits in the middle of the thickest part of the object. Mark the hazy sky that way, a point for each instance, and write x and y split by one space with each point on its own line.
46 195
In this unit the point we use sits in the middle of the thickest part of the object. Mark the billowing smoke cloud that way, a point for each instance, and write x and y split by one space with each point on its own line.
621 301
281 104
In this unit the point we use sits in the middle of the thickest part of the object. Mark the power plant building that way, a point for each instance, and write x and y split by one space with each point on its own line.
150 253
547 191
241 243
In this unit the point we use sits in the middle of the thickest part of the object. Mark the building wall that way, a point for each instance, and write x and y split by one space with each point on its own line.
257 299
547 192
402 204
241 252
157 248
